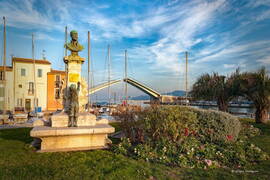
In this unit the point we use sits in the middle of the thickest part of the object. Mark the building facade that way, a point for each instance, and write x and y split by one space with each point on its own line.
20 89
6 93
26 92
56 84
21 92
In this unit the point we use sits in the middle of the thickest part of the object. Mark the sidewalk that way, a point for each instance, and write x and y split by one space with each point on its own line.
23 125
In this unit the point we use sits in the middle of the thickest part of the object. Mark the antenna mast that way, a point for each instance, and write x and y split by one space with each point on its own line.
43 54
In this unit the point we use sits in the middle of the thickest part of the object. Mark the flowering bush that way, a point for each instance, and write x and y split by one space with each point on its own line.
188 137
248 131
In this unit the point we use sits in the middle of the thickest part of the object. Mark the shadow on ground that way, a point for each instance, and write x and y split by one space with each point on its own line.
22 134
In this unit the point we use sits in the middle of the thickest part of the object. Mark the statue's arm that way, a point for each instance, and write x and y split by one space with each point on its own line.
78 86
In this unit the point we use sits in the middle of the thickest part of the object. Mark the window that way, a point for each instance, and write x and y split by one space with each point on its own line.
57 81
57 87
23 72
2 91
36 101
57 93
39 72
20 86
57 78
19 102
31 88
1 75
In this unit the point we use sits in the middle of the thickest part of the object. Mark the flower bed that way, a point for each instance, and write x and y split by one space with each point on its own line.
188 137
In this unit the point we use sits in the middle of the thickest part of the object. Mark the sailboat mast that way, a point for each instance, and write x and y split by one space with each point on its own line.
66 66
109 75
126 98
88 75
186 77
4 64
35 87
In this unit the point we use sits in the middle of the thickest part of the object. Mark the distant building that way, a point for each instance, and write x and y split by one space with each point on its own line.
9 90
56 84
21 89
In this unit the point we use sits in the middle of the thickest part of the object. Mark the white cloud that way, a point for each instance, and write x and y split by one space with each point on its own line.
180 35
265 60
233 51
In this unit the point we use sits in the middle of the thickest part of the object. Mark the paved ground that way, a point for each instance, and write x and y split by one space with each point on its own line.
6 126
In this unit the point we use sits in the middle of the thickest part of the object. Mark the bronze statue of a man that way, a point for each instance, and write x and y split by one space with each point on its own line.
73 109
74 45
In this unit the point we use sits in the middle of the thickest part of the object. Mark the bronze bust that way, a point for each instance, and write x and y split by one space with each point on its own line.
74 47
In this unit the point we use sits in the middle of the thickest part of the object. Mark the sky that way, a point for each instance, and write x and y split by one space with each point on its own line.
219 36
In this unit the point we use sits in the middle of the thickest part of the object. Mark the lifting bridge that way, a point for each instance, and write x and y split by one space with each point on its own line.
152 93
102 86
155 96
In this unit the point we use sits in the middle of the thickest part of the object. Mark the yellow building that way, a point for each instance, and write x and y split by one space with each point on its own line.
20 86
24 87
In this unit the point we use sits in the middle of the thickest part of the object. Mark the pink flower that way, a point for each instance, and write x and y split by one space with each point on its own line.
186 132
208 162
229 137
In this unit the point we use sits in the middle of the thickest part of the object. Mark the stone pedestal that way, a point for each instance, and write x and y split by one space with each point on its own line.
84 119
74 64
90 133
54 139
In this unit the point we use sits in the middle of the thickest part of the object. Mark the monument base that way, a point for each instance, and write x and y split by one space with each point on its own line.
84 119
54 139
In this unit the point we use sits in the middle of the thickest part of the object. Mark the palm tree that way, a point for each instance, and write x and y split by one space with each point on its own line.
213 87
256 87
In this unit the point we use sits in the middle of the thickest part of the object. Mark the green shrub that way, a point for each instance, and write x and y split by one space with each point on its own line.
175 123
248 131
171 123
187 137
217 125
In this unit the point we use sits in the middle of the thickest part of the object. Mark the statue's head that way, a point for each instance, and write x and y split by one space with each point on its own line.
72 87
74 35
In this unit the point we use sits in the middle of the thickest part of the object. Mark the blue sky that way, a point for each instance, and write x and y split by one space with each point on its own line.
219 36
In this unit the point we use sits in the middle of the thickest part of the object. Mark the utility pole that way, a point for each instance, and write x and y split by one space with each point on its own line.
4 64
34 63
88 75
186 77
126 90
109 76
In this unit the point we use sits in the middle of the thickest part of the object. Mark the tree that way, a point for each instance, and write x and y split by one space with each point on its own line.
256 87
215 88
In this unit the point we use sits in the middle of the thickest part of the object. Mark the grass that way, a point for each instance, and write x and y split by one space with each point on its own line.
18 160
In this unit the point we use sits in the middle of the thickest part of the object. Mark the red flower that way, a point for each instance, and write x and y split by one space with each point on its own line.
186 131
229 137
